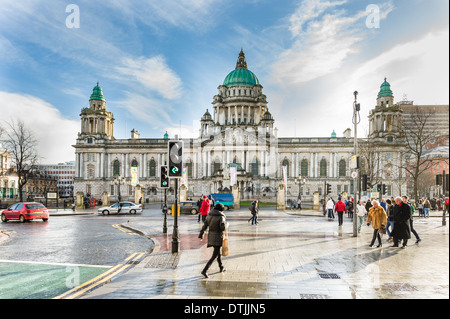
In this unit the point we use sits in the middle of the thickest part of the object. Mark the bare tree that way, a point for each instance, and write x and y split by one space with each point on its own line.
419 131
21 144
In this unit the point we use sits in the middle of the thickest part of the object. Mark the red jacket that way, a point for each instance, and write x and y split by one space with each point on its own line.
340 207
204 209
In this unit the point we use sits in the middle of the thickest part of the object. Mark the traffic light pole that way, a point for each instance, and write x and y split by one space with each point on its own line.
165 212
356 109
175 234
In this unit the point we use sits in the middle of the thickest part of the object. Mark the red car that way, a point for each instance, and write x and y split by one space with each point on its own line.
25 211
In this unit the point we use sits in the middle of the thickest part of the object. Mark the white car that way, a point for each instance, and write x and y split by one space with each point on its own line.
125 208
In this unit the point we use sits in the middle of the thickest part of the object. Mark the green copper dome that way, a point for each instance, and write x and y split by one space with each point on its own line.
385 89
97 93
333 134
241 75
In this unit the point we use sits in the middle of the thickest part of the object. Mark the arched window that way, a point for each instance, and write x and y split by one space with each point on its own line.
116 168
286 163
342 168
304 168
152 168
255 167
134 163
323 168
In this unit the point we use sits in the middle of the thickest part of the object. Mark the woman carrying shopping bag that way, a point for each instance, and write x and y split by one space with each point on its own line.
216 222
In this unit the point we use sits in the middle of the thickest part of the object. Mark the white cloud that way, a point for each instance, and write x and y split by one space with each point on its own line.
55 134
154 74
324 38
418 68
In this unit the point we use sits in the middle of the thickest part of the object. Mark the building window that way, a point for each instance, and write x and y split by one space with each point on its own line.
255 167
116 168
323 168
152 168
304 168
189 169
342 168
134 163
285 163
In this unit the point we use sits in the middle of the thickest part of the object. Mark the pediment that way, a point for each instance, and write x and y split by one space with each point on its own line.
236 136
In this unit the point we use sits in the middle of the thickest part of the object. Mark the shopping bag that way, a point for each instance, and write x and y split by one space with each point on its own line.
225 250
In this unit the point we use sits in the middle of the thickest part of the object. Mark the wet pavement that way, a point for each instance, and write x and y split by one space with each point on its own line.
287 255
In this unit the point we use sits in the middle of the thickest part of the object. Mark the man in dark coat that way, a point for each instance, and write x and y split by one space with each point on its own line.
402 214
216 222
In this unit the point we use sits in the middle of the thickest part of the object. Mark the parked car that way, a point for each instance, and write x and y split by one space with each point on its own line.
189 207
125 208
25 211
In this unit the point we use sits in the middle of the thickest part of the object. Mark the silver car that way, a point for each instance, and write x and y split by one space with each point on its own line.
125 208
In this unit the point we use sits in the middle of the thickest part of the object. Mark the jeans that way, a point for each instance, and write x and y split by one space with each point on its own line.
391 224
216 254
340 218
254 219
426 212
412 229
330 213
361 221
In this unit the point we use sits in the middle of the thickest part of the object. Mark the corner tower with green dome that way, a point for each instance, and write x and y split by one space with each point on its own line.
240 102
96 122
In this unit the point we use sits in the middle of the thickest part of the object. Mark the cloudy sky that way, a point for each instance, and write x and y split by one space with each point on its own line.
160 62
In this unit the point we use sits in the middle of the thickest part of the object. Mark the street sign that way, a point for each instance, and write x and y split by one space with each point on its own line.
354 175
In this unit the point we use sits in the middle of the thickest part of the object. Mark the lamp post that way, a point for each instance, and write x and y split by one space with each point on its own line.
118 180
356 120
300 183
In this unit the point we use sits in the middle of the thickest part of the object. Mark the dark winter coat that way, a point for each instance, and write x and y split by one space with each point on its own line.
216 222
402 229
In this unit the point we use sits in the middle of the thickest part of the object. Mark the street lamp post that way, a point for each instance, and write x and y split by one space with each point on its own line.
118 180
356 120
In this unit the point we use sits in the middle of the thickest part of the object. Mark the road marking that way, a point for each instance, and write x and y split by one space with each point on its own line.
104 278
123 229
51 264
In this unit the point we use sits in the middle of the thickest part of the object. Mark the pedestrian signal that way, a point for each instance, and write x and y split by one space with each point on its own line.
164 177
175 158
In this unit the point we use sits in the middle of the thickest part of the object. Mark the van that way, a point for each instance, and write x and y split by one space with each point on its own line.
226 199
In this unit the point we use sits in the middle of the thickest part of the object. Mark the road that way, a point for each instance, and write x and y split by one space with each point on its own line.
44 259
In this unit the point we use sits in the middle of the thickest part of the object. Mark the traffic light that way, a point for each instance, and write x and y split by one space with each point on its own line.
384 189
175 158
439 179
328 189
364 183
379 187
164 177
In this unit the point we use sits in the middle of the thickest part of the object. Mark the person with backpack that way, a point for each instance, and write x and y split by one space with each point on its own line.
254 209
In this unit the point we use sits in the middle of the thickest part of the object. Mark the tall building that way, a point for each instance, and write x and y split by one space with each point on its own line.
238 132
64 174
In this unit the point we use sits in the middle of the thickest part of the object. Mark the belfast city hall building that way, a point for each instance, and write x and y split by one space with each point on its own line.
238 134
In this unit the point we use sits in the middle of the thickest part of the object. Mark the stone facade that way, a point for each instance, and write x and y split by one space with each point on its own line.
240 132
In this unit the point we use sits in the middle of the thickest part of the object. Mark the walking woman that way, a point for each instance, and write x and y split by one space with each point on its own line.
340 208
216 222
377 216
